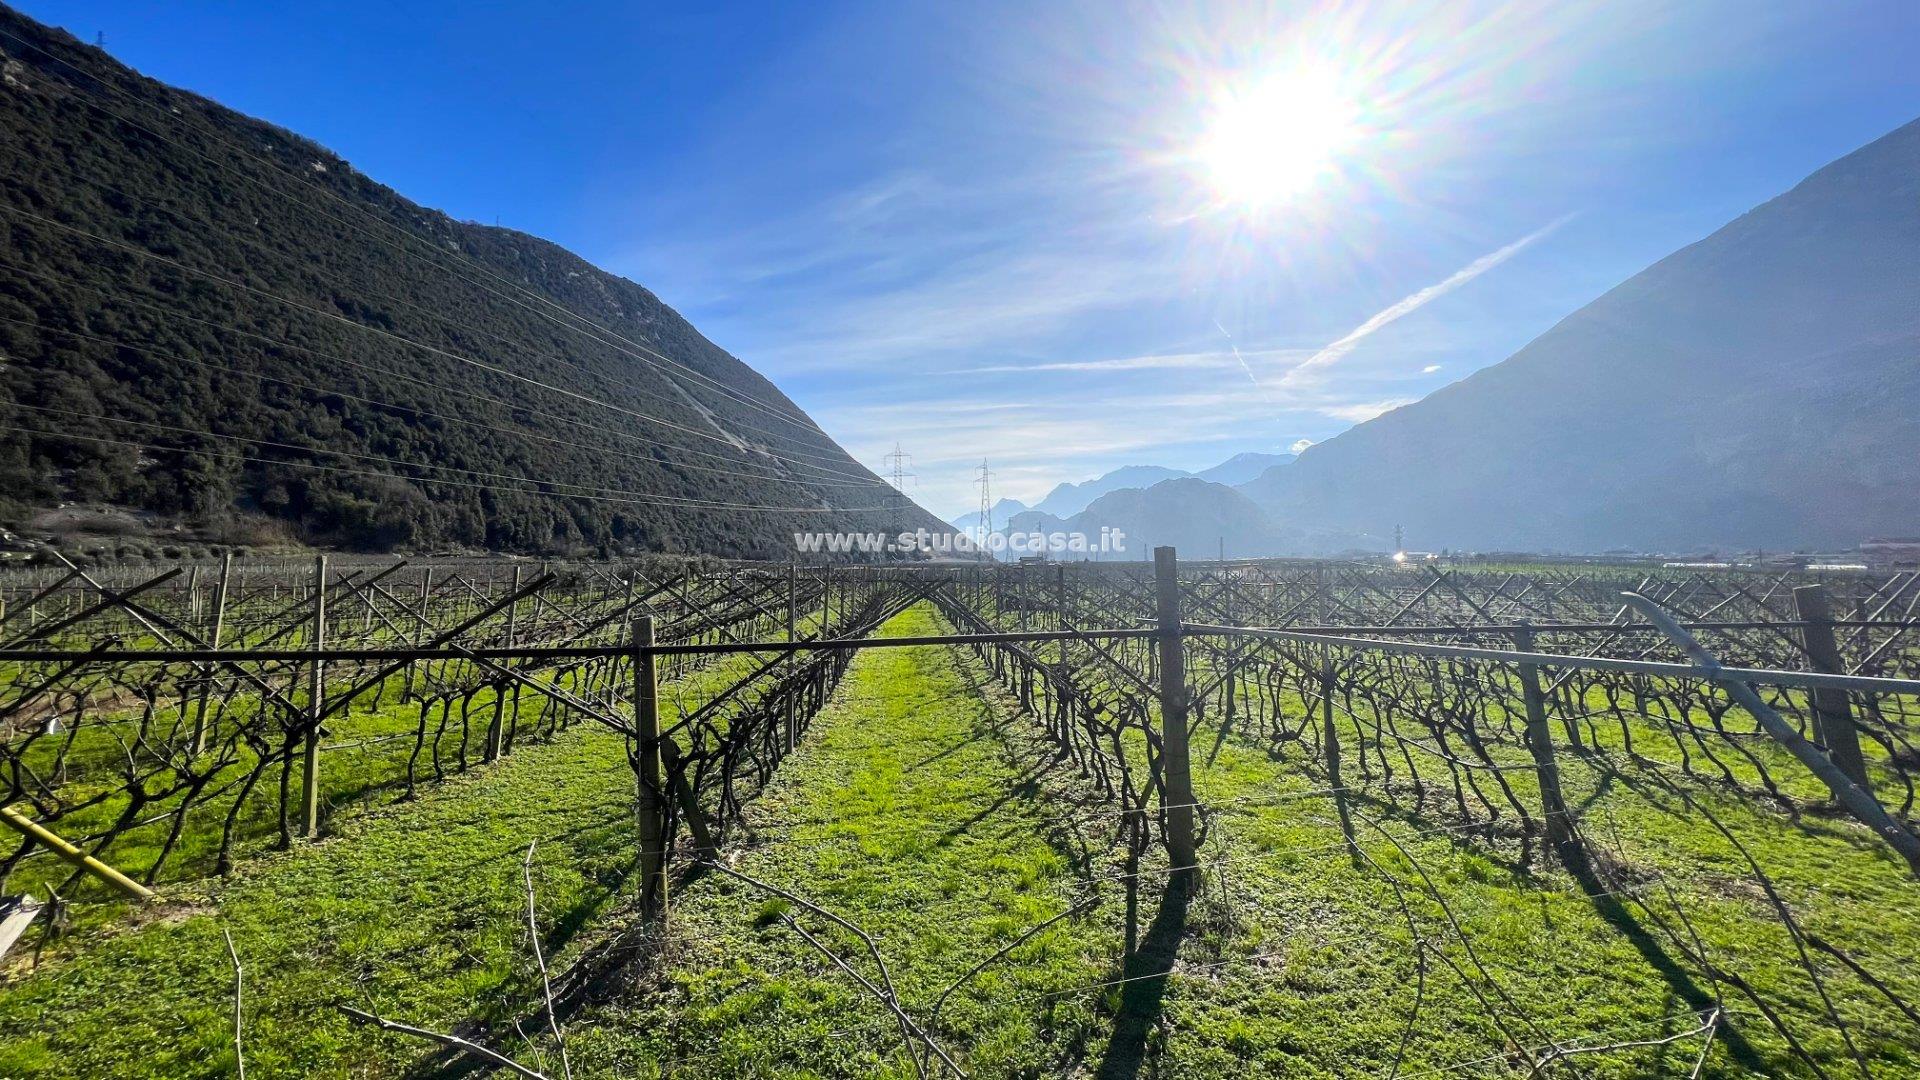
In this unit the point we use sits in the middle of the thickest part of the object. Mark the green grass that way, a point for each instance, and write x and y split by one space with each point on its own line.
1334 999
413 907
1291 957
363 762
923 809
926 814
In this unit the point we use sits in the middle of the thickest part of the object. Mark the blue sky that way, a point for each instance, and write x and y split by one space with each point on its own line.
989 230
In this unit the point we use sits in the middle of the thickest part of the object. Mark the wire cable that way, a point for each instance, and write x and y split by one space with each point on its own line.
302 183
419 412
694 504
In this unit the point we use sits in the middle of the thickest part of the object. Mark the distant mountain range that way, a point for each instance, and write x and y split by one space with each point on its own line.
1201 518
1155 505
1760 388
1003 512
1241 468
1069 499
210 321
1066 500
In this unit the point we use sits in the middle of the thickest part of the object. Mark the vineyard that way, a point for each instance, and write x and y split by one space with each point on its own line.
379 817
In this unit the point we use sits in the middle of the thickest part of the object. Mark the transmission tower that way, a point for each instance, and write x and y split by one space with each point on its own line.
985 480
898 465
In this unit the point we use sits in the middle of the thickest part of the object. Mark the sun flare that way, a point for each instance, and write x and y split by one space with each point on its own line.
1275 139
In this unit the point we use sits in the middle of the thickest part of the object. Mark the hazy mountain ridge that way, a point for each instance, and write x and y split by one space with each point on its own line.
1241 468
1003 511
1199 517
1066 500
239 279
1758 388
1156 501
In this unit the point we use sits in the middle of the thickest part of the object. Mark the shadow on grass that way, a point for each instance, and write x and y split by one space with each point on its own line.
1621 918
1065 834
596 976
1025 789
1146 972
1679 980
1613 912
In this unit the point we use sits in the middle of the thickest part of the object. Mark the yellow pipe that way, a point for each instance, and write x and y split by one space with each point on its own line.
75 856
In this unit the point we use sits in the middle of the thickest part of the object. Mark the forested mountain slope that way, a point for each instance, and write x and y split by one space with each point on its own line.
206 317
1758 388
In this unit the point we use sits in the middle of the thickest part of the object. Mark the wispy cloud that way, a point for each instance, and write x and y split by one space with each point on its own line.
1311 368
981 301
1207 361
1034 443
1242 361
1359 412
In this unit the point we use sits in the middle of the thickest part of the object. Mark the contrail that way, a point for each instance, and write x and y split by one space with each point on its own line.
1337 351
1243 363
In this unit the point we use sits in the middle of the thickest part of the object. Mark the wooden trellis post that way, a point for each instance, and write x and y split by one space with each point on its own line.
826 601
650 773
1060 612
792 725
316 697
496 731
1539 737
421 627
1329 731
1173 710
198 745
1832 710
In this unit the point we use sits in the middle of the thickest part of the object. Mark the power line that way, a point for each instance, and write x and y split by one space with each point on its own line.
176 429
343 320
389 372
899 461
986 499
339 283
301 182
416 411
695 504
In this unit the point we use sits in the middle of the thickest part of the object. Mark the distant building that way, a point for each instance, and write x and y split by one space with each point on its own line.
1891 553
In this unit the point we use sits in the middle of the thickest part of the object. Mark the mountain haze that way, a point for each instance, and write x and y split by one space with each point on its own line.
1002 511
1187 512
1199 517
1760 388
1069 499
207 318
1240 468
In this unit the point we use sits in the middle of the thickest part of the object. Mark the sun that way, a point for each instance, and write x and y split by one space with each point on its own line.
1276 138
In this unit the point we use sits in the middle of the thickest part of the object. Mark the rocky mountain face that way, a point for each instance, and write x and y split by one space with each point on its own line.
204 317
1760 388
